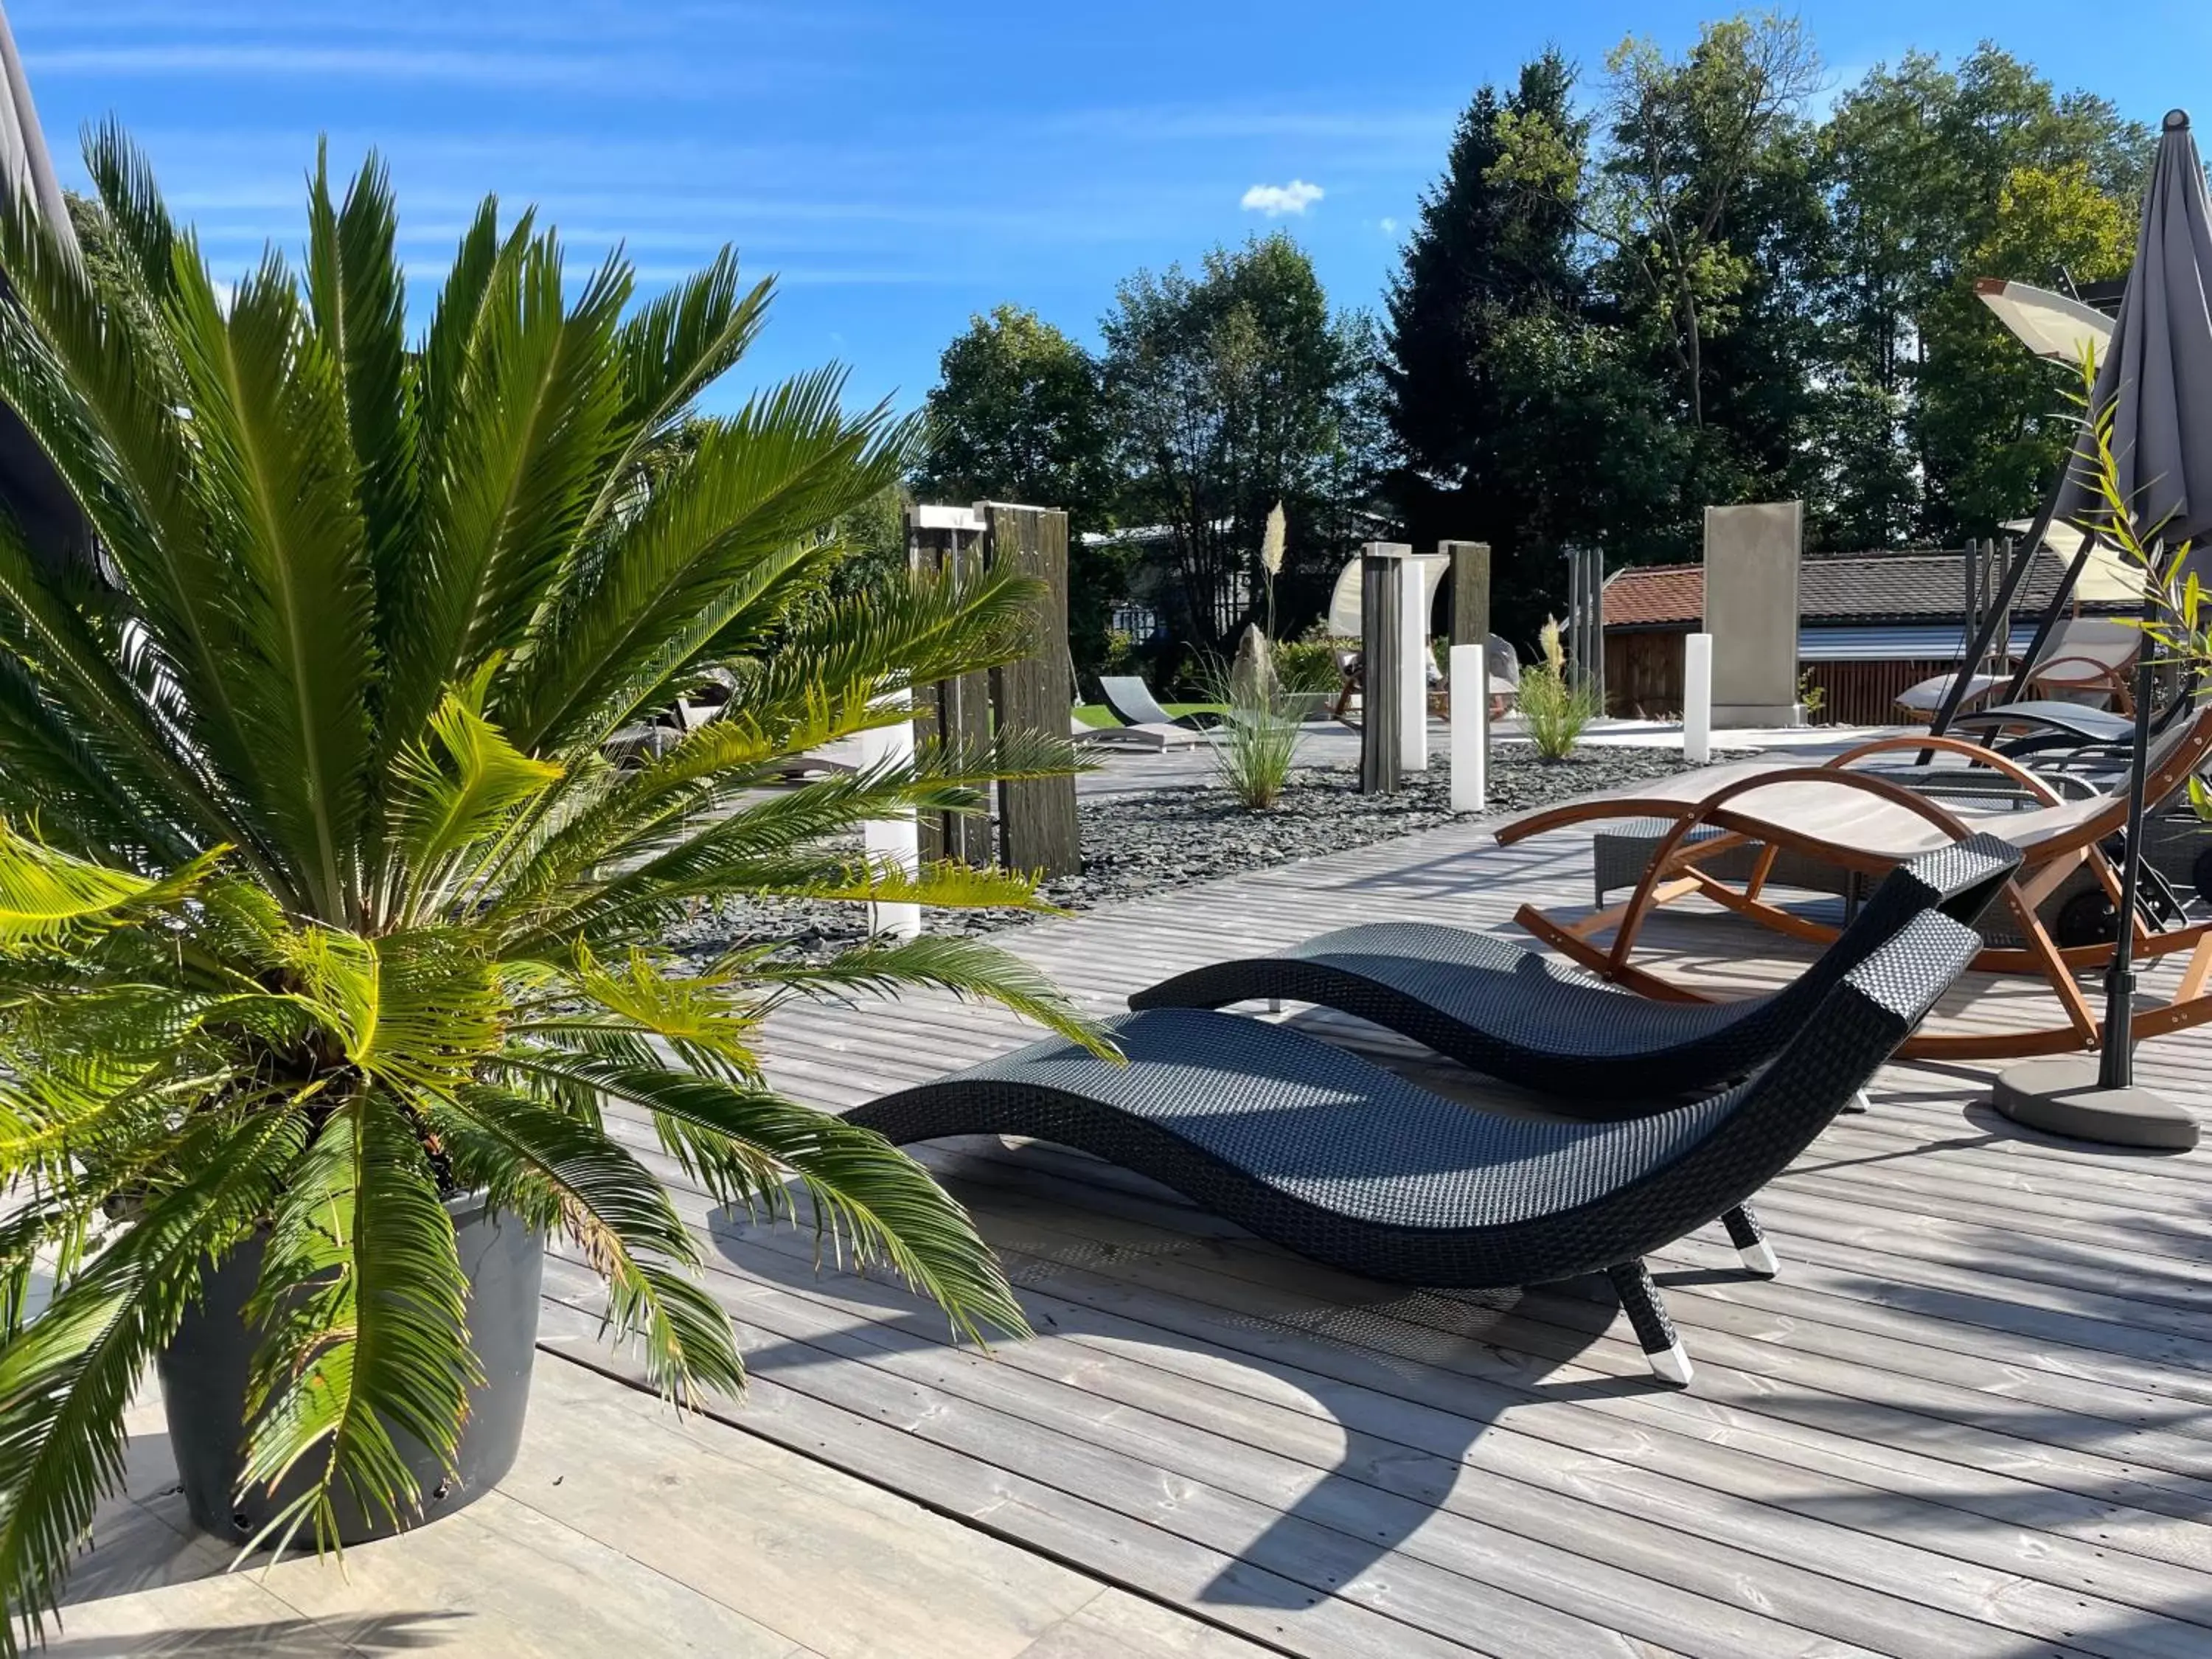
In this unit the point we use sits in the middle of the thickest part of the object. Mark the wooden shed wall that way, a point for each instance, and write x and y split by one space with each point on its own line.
1643 678
1643 673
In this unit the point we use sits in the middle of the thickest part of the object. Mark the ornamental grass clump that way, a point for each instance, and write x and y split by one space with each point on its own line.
1554 705
319 903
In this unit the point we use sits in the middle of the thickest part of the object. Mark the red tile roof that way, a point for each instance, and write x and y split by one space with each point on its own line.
1832 587
1647 595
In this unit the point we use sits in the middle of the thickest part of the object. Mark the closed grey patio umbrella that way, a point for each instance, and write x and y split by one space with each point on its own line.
2156 375
30 490
2156 382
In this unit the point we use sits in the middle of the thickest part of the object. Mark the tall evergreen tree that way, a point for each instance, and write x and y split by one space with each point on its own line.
1519 420
1482 251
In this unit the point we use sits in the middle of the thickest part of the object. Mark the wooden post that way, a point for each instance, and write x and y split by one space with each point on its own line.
1382 569
957 712
1972 613
1038 828
1993 585
1585 641
1470 626
1470 578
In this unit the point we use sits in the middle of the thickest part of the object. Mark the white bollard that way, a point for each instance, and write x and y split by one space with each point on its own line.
1470 729
894 841
1413 671
1697 699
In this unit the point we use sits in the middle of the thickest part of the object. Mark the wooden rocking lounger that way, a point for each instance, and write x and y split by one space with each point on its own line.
1320 1153
1870 824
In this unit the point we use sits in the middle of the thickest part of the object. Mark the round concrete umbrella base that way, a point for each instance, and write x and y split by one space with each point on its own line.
2061 1097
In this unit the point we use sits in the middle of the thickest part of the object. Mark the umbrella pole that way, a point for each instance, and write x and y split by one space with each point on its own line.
2117 1066
2095 1097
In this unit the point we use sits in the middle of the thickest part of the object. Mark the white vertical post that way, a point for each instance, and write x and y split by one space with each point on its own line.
1413 669
1698 698
1470 729
895 841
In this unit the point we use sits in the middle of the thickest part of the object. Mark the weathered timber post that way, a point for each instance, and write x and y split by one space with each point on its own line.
1037 825
1586 620
1470 674
1470 589
1381 572
949 540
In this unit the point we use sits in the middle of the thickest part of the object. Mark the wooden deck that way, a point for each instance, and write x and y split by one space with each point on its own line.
1972 1417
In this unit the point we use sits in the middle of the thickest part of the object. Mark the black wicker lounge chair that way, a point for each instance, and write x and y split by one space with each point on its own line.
1597 1049
1312 1147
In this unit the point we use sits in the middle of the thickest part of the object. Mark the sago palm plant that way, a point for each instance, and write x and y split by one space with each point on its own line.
319 902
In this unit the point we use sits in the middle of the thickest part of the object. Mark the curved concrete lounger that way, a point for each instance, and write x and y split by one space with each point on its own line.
1315 1149
1597 1049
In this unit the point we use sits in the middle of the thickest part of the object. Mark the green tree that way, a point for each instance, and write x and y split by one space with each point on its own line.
1994 423
1587 443
1018 415
1682 139
1231 391
1482 253
322 904
1523 419
1918 160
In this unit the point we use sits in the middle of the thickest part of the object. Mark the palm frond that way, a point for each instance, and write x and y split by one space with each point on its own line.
449 799
560 1175
68 1375
968 968
271 427
47 897
363 1306
717 530
522 433
868 1196
357 300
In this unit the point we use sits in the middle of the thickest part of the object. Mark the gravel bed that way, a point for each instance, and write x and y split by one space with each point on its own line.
1172 837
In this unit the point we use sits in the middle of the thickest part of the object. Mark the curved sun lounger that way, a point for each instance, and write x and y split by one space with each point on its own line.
2006 725
1332 1157
1133 703
1869 823
2091 654
1596 1049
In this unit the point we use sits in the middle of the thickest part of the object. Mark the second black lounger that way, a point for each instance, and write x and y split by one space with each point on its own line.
1533 1021
1324 1154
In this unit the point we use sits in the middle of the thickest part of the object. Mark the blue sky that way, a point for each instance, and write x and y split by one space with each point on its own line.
901 166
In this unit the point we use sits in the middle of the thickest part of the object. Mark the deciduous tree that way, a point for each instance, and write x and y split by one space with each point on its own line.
1017 415
1234 388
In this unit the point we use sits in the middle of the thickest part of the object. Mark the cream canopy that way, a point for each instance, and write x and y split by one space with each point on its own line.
2052 326
1344 619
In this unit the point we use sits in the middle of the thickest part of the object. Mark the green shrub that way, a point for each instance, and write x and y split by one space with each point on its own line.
1553 710
1311 665
1554 707
1256 743
1254 750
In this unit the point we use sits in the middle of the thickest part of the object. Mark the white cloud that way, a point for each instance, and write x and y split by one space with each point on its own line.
1275 200
1389 226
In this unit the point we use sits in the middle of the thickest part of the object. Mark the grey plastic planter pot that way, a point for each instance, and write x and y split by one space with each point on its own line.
203 1379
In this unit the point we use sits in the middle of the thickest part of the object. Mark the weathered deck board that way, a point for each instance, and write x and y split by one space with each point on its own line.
1974 1415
